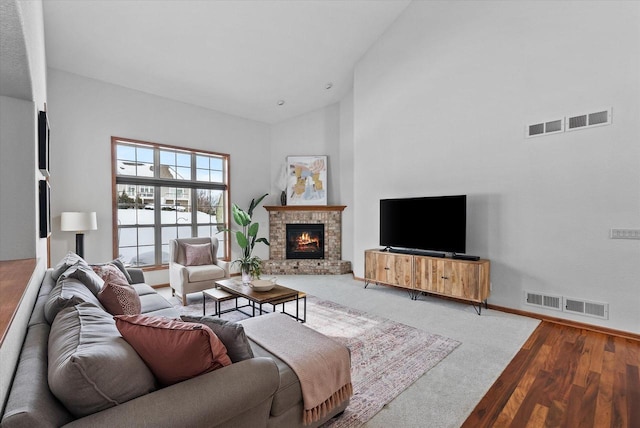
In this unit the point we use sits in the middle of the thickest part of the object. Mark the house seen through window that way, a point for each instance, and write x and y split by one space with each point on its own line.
165 192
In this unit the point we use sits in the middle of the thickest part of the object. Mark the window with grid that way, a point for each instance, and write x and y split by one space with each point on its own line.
165 192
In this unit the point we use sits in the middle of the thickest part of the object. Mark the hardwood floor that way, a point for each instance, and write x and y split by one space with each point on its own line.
566 377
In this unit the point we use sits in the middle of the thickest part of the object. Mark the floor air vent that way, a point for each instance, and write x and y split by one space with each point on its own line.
543 300
588 308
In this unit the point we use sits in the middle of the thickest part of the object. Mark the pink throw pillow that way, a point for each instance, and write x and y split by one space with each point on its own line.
197 254
119 299
110 273
173 350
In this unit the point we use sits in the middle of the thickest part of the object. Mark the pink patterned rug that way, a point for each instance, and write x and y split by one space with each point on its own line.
386 356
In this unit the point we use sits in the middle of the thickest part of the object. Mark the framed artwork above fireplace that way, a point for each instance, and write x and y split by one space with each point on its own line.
307 180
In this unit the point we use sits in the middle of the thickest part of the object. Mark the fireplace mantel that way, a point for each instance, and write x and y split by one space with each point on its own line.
305 207
329 215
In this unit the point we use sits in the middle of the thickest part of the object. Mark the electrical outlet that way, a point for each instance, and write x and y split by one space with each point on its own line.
625 234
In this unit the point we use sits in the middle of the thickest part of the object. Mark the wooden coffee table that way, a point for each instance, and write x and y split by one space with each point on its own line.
278 294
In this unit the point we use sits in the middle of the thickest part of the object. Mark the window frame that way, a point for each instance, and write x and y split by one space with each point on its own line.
164 182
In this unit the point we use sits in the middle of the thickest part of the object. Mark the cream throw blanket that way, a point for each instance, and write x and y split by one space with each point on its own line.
322 365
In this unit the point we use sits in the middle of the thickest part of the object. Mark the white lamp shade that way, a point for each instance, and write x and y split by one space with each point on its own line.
78 222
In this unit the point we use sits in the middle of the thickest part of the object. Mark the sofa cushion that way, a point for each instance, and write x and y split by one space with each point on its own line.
166 313
173 350
67 261
153 302
91 367
197 254
230 333
83 272
68 292
142 289
119 299
204 273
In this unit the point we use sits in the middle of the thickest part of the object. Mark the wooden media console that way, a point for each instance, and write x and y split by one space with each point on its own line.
467 280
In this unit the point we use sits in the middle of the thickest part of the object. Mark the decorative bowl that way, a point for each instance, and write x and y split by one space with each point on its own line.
262 285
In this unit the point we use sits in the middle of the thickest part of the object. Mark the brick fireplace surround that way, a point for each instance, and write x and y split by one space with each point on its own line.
330 216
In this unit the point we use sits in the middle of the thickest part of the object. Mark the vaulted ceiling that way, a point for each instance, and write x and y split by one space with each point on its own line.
237 57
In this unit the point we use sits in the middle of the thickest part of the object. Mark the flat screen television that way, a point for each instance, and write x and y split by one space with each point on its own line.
436 223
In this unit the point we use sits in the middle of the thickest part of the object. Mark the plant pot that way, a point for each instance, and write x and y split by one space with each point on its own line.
246 277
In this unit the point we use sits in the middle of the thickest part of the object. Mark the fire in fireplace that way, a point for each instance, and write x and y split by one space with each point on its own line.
305 241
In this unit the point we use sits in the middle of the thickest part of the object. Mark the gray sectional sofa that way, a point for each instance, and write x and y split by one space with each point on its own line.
258 392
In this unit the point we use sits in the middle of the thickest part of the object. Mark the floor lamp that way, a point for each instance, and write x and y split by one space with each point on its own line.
78 222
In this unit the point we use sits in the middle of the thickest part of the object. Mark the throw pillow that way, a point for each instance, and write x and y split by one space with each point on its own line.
117 263
86 275
91 367
110 272
197 254
230 333
173 350
120 299
67 261
67 292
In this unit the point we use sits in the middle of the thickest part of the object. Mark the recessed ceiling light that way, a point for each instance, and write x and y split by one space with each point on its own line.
329 85
280 102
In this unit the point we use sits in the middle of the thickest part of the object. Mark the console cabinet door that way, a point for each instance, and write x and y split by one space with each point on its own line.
426 270
393 269
461 279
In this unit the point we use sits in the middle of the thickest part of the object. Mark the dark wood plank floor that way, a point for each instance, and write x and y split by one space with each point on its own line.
566 377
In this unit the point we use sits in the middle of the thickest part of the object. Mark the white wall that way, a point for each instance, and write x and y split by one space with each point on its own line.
314 133
33 21
346 190
24 80
18 187
327 131
441 103
85 113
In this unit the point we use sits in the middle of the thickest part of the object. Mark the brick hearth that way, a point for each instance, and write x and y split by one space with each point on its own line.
330 216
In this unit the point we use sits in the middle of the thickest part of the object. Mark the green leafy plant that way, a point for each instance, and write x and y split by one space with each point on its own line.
247 238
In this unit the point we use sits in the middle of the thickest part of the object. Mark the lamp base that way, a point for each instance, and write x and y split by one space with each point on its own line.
80 244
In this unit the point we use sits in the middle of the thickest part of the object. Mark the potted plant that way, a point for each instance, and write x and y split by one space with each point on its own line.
247 238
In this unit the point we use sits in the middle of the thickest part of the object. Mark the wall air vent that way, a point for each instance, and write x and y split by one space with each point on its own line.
588 308
536 129
545 128
543 300
576 122
588 120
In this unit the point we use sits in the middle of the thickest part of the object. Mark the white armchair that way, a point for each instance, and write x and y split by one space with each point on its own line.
185 279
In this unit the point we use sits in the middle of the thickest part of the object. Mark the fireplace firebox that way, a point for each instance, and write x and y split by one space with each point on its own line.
305 241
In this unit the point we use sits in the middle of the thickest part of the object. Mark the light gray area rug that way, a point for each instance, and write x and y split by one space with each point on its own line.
445 395
386 356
